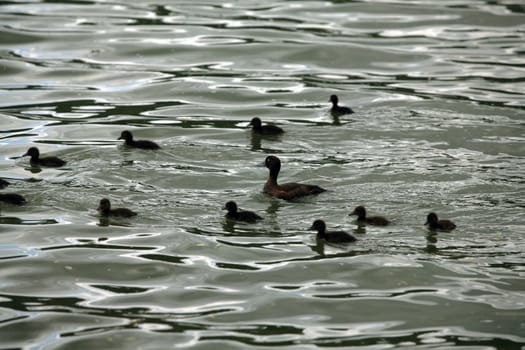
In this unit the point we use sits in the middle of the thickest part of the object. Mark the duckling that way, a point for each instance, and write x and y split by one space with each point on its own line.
104 209
143 144
360 211
435 224
258 128
240 215
337 110
51 161
331 236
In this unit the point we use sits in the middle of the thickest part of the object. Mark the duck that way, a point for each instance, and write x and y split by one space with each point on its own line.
12 198
240 215
337 110
435 224
51 161
287 191
4 183
360 211
104 209
331 236
258 128
143 144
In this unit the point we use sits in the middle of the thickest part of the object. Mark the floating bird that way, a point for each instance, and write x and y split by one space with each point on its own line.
51 161
240 215
258 128
435 224
143 144
337 110
360 211
286 191
331 236
104 209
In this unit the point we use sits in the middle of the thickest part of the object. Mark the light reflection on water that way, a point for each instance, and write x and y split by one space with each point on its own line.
438 127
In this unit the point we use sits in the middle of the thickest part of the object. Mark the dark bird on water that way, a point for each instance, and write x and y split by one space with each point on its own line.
337 110
143 144
235 213
50 161
360 211
331 236
104 209
435 224
286 191
267 129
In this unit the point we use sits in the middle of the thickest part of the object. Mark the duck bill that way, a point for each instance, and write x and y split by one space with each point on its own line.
352 213
312 228
426 223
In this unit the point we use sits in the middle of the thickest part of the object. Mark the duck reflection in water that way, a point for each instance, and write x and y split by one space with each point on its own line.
432 239
256 141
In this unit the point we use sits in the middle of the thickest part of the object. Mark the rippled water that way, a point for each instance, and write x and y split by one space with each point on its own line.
438 91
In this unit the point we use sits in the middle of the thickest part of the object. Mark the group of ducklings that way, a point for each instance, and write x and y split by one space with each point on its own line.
286 191
36 160
293 190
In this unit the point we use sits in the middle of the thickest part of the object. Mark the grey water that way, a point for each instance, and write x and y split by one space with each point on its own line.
438 90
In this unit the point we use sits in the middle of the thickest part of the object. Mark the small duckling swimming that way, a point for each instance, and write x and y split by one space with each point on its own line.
360 211
12 198
104 209
267 129
51 161
337 110
435 224
286 191
143 144
240 215
331 236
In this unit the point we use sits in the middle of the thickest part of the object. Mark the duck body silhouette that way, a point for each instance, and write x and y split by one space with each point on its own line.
287 191
234 213
104 209
51 161
360 211
337 110
435 224
267 129
127 136
331 236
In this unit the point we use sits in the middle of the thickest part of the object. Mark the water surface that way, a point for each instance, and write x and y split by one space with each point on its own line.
439 126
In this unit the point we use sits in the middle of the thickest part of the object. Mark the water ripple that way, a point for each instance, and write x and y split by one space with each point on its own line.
438 126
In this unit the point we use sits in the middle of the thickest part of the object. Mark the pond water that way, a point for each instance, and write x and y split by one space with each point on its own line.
438 94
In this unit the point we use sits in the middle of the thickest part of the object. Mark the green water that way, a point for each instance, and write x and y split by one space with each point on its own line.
438 95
